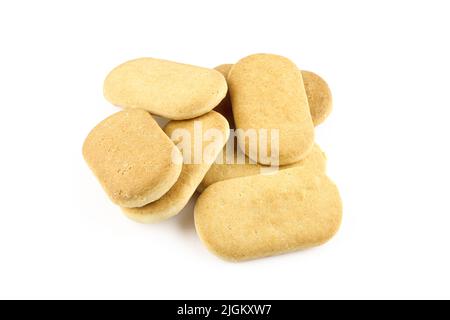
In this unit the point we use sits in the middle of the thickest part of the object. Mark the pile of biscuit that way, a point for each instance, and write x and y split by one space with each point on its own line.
244 211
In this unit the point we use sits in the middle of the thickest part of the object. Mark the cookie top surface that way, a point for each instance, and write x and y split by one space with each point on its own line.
131 156
165 88
319 96
267 93
191 175
263 215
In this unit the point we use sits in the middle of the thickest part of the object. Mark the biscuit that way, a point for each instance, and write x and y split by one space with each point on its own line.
267 92
192 173
164 88
224 107
264 215
319 97
315 161
317 90
133 159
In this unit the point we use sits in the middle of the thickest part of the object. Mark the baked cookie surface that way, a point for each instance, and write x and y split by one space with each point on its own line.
133 159
267 93
192 173
264 215
317 90
314 161
319 96
165 88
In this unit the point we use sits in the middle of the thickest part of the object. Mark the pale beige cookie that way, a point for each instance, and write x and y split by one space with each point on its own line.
267 92
314 161
133 159
224 107
264 215
168 89
319 96
192 174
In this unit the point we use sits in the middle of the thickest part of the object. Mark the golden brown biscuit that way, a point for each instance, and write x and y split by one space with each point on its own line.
314 161
264 215
133 159
192 174
267 92
168 89
319 96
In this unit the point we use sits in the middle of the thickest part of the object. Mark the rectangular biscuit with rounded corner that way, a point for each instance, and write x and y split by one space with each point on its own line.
165 88
263 215
133 159
267 93
214 131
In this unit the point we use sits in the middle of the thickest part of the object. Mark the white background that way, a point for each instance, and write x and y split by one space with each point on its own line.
387 63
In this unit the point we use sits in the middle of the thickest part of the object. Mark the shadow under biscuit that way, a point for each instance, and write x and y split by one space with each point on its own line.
185 220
